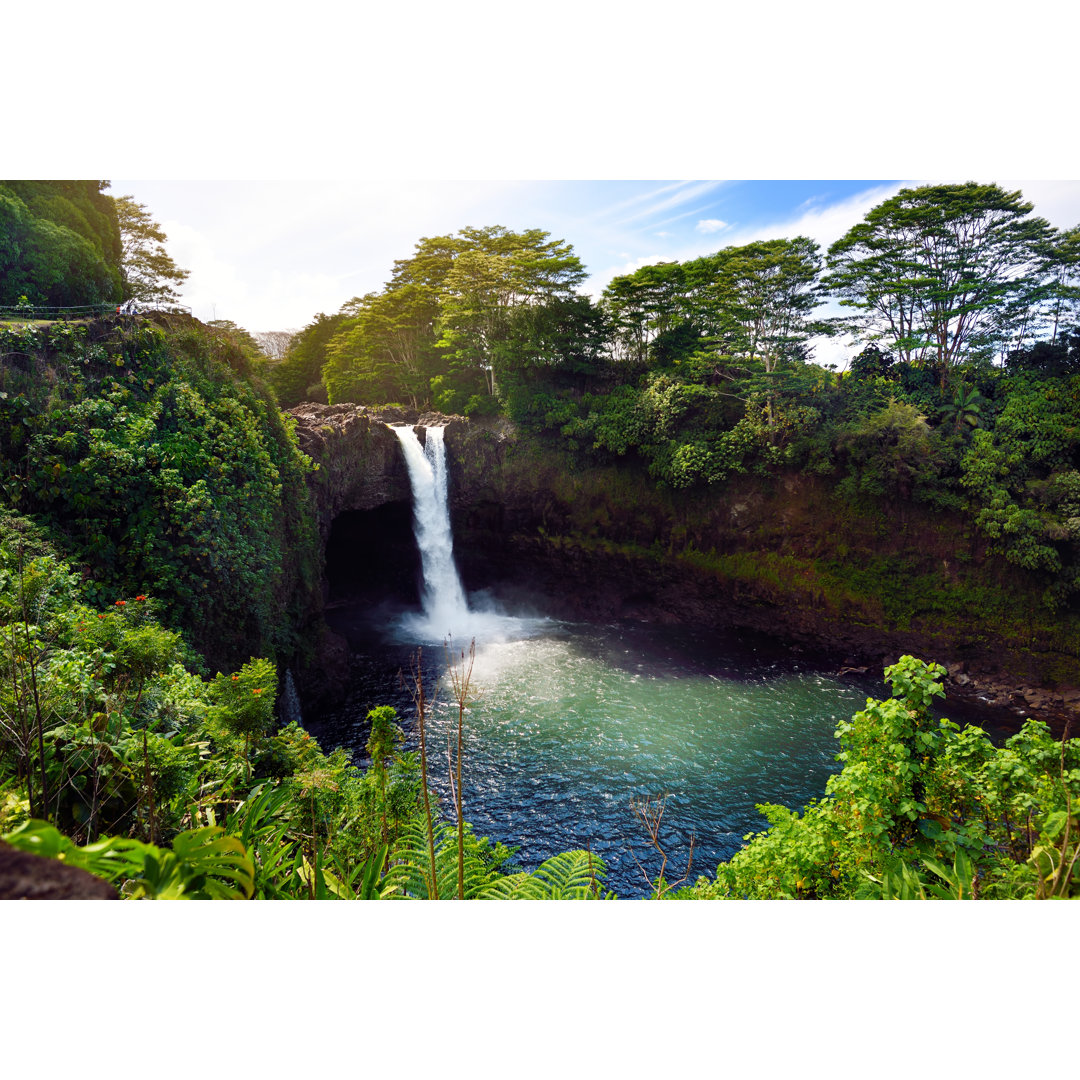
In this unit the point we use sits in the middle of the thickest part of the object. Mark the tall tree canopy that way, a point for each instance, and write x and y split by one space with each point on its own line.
760 301
59 243
945 270
440 326
148 271
385 351
495 271
751 304
297 377
642 307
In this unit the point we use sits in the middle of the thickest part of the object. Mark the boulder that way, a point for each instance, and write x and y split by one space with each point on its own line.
30 877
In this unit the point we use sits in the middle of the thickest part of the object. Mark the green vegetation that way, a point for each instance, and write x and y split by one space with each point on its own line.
445 328
158 553
921 809
119 758
963 397
59 243
162 460
68 244
148 271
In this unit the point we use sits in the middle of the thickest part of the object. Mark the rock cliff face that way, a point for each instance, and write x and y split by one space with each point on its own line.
359 460
783 556
359 467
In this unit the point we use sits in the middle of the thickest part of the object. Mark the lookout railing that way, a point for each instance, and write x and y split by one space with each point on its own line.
9 312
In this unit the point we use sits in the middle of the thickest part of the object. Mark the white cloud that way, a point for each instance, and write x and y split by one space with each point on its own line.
710 225
1056 200
268 255
825 224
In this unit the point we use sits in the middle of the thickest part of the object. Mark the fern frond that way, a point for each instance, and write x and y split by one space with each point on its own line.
510 887
570 875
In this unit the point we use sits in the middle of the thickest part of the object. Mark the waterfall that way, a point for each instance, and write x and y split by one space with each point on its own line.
445 607
289 702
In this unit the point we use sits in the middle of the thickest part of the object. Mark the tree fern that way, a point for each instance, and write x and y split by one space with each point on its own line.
410 875
570 875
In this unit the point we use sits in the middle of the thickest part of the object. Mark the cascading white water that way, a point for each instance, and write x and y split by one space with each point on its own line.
289 701
445 606
447 613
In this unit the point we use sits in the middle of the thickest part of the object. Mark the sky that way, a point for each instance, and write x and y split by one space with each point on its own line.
271 254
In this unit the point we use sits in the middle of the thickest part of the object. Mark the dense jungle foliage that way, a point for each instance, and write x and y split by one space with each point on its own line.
163 462
157 542
69 244
60 243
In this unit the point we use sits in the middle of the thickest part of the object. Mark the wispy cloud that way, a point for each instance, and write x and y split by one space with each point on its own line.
823 223
635 200
680 194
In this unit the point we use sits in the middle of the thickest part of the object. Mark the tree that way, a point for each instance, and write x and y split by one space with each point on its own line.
385 345
760 300
1065 289
643 306
495 271
59 243
301 370
940 271
147 269
562 338
965 408
274 344
385 352
756 304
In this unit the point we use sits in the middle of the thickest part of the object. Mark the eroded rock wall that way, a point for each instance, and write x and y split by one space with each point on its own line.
359 467
359 459
785 556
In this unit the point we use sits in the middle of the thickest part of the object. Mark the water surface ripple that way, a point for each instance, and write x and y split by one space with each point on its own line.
570 723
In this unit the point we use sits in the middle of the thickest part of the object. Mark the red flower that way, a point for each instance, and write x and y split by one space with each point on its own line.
120 603
140 597
235 678
259 691
101 616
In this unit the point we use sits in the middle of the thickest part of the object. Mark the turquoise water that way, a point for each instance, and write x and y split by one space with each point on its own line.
568 723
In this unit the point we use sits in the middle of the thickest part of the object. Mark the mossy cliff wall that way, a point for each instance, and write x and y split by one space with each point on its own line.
784 555
358 467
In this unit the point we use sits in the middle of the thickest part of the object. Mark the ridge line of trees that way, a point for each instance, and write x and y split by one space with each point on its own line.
940 276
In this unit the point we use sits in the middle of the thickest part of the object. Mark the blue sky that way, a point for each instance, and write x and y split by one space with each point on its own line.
270 255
